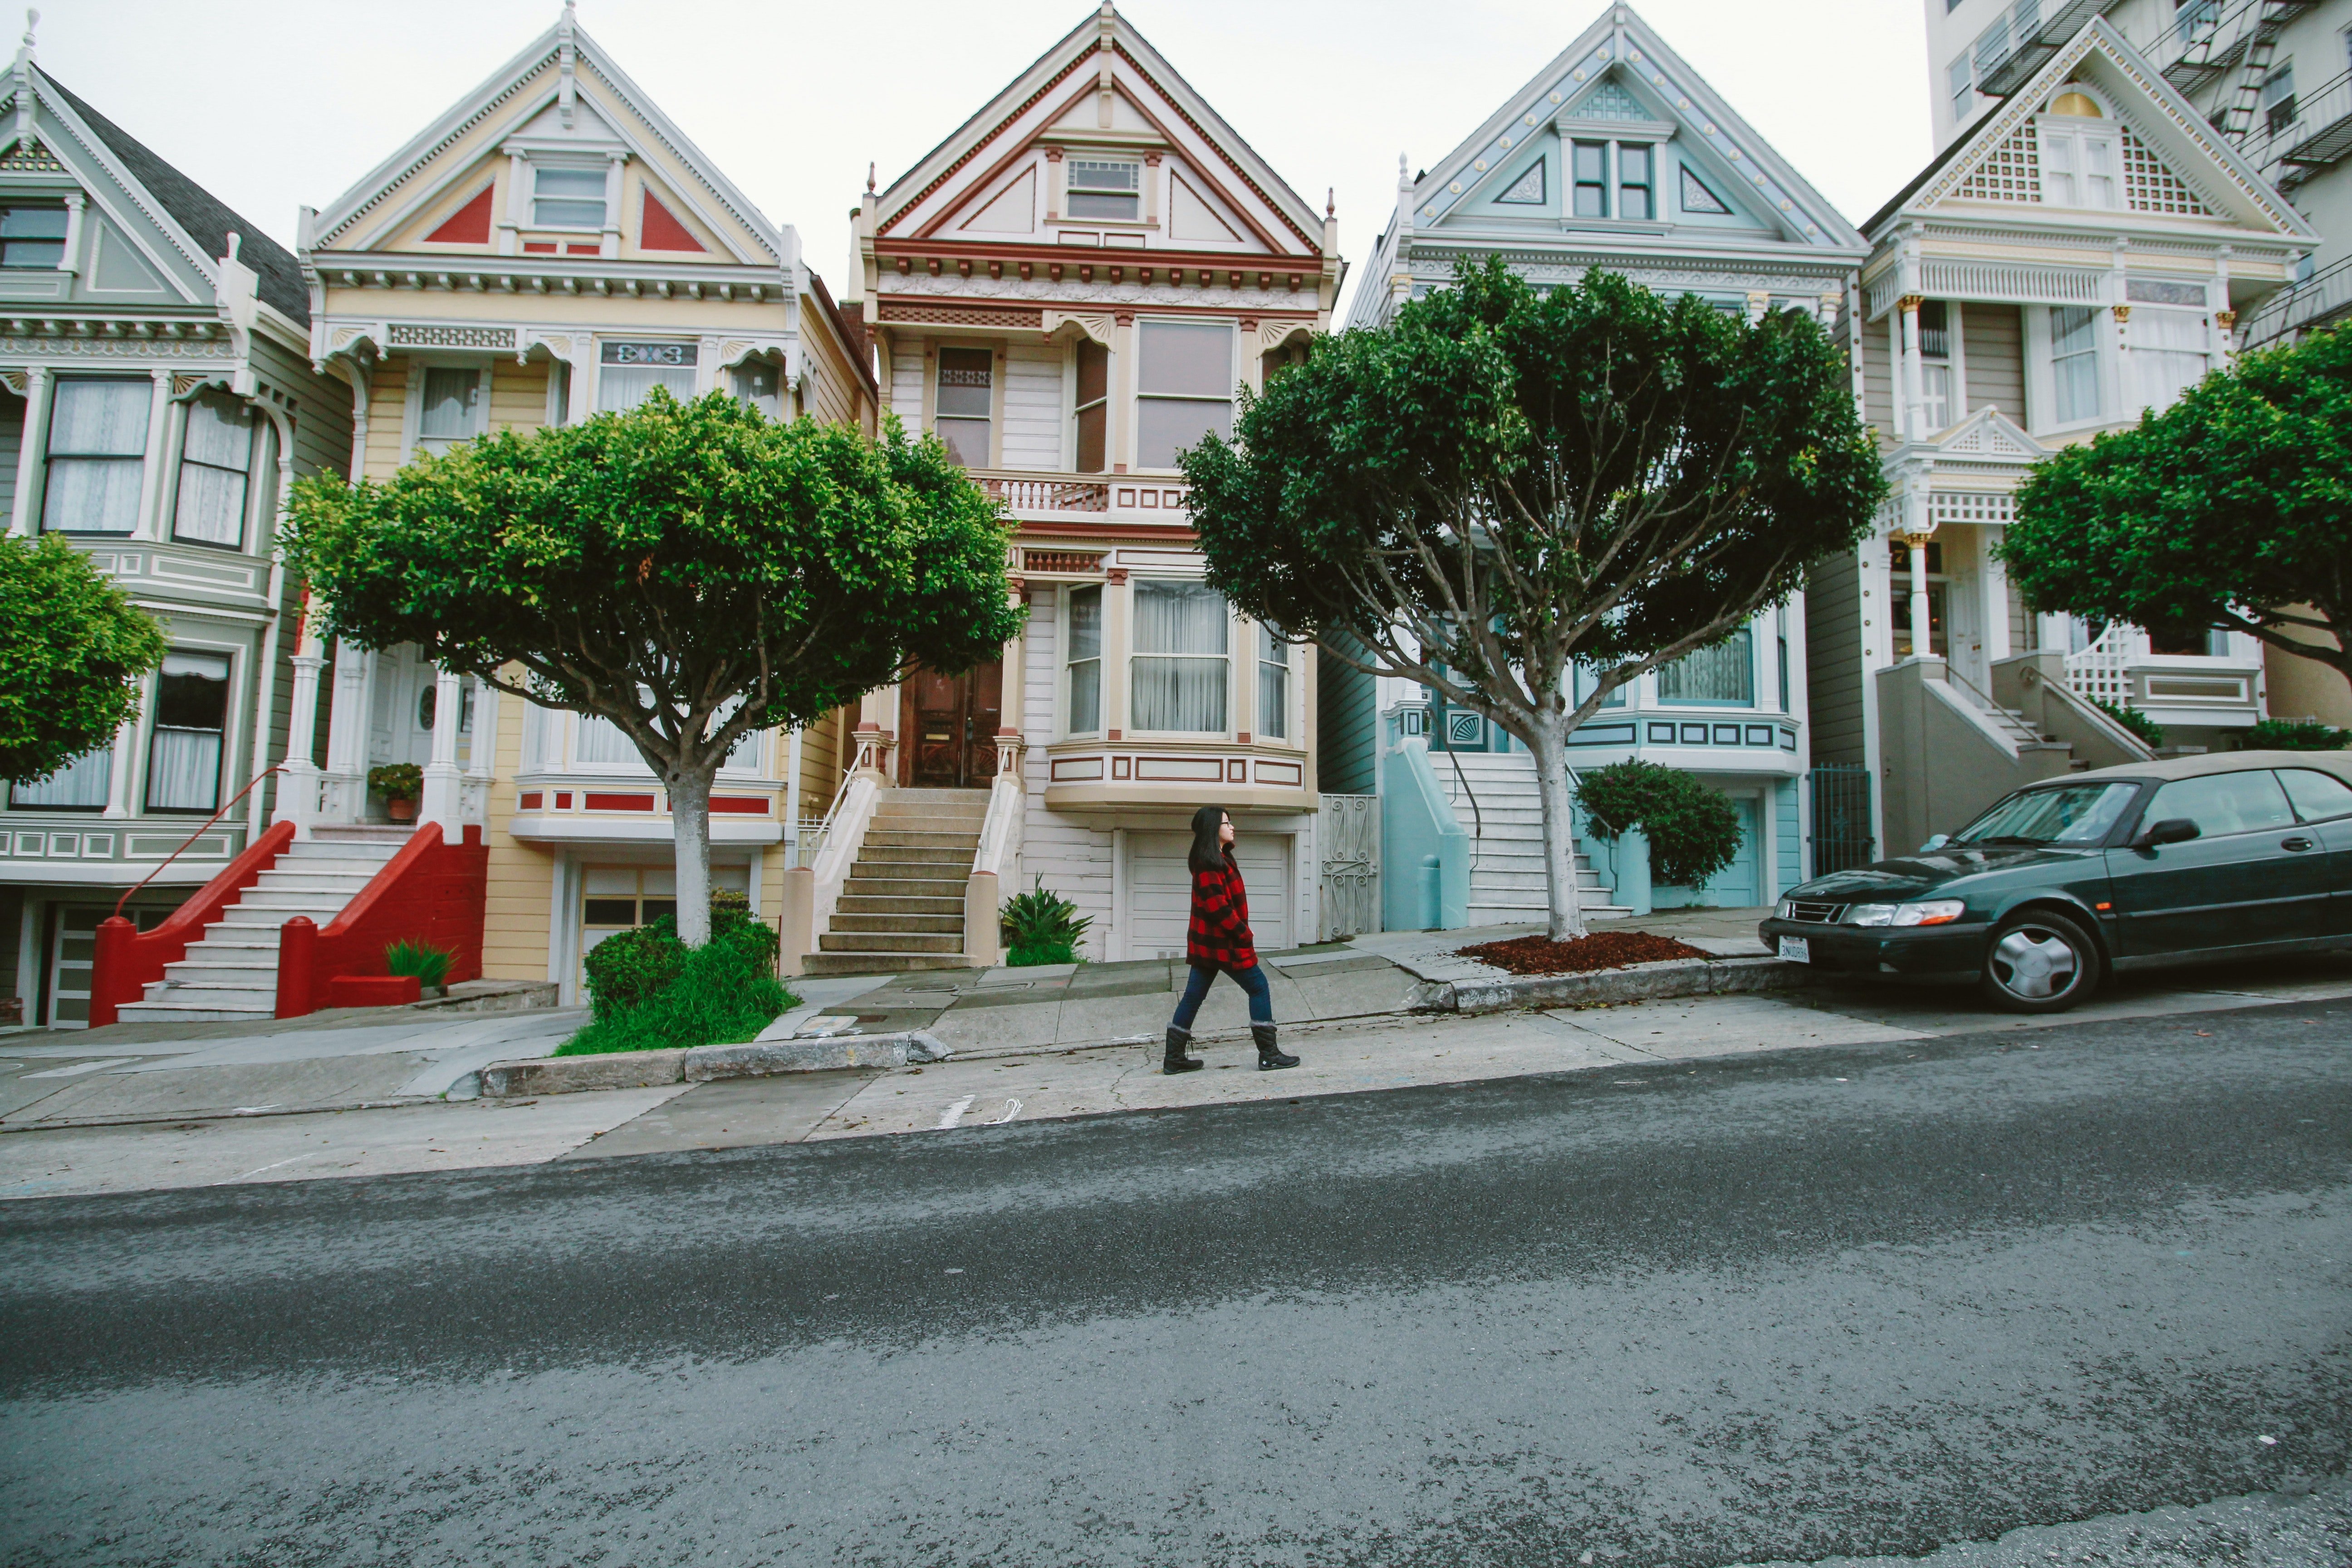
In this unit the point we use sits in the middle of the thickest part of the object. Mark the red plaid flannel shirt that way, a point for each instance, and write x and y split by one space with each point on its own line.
1220 937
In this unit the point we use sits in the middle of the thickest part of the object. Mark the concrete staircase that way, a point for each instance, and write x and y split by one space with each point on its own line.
902 906
1507 866
232 973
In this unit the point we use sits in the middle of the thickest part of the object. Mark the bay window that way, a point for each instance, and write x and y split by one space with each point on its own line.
626 373
1273 684
97 455
215 457
451 408
1180 665
2074 362
80 785
2165 355
1184 388
1724 675
966 405
1084 662
184 756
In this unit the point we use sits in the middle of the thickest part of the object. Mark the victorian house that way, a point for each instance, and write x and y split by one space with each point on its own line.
156 399
550 247
1069 290
2084 252
1617 155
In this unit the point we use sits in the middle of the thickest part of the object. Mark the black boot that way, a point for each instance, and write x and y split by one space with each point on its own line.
1176 1061
1269 1057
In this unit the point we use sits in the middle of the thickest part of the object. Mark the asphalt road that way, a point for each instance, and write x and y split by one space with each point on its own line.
1851 1300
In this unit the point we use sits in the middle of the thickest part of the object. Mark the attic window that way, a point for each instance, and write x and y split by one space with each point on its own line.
32 236
1697 198
1102 188
568 198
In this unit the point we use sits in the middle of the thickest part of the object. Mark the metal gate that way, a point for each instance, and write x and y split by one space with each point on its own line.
1841 817
1349 832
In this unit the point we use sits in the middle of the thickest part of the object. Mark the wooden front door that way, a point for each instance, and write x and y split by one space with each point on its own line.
947 727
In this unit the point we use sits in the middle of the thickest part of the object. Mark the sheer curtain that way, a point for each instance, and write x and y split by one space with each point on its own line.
1273 684
215 459
183 754
2074 362
1180 657
80 786
626 373
98 444
2167 354
1086 660
602 745
1725 673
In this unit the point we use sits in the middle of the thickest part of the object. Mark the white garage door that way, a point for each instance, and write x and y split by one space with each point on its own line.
1159 891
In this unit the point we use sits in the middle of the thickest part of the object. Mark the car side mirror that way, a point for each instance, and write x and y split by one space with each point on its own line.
1935 842
2171 830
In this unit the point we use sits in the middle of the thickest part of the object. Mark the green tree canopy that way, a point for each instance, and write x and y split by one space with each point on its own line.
691 572
1504 484
2231 510
73 649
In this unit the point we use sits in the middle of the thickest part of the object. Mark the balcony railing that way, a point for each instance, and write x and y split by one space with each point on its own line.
1083 498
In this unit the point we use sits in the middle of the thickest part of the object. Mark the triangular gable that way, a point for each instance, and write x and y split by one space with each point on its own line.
1193 217
2174 163
1013 210
1619 71
563 89
1101 70
658 229
469 225
1991 435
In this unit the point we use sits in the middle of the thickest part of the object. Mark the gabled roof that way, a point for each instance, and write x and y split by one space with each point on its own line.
404 181
983 137
1989 436
2190 150
207 220
1619 43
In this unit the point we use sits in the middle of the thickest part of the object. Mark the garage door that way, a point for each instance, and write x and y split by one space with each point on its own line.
1159 891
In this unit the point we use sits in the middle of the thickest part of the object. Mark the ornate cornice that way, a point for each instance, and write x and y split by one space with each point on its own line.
1095 297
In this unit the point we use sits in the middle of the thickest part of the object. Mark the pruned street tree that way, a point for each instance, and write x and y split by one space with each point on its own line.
73 649
1503 486
2230 510
691 572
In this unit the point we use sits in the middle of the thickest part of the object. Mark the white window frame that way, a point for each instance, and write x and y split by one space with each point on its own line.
1232 399
2041 371
693 345
601 168
142 775
413 422
1264 638
1065 720
50 458
1130 652
2053 131
996 367
1071 191
252 455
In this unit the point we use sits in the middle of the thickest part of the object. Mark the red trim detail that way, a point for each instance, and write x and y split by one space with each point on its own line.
469 225
529 800
429 892
539 248
563 800
658 229
739 805
373 990
584 250
127 958
616 802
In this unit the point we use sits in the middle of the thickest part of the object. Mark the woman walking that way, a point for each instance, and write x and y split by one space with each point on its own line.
1220 939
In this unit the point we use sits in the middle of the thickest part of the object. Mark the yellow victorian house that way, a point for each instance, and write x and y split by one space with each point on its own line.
550 247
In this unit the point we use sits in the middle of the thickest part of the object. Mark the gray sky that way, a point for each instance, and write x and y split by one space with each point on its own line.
276 104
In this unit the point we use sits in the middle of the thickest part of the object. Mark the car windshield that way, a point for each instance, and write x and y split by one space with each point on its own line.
2070 813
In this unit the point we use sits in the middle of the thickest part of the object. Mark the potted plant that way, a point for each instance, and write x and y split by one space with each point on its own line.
400 783
430 964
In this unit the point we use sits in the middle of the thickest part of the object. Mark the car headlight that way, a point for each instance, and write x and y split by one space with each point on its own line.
1935 912
1871 914
1787 910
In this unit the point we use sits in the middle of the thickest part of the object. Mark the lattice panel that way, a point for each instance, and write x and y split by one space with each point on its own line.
2151 188
2009 173
1996 509
30 157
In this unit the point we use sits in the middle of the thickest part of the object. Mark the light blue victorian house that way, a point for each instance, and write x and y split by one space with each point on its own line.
1615 155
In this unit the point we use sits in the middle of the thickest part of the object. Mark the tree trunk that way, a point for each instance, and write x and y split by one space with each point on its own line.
690 810
1558 831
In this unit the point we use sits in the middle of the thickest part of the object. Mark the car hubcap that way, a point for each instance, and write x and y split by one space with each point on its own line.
2034 963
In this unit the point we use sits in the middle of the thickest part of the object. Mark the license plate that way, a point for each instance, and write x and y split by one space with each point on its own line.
1797 948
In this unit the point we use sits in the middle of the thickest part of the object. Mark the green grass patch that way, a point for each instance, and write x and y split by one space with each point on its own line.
653 992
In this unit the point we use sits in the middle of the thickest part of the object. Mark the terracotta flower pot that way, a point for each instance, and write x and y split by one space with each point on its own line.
400 810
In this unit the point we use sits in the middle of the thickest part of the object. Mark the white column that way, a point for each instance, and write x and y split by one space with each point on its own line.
151 524
118 783
444 782
347 735
72 260
1913 389
298 794
1922 643
792 800
25 517
1996 593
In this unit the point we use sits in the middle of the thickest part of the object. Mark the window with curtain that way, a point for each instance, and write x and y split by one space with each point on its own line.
215 460
97 455
1724 674
1936 363
451 408
966 403
2166 354
626 373
760 384
1101 187
1184 388
32 235
1586 682
1180 665
600 745
1085 660
80 786
1094 406
183 756
2074 362
1273 684
568 198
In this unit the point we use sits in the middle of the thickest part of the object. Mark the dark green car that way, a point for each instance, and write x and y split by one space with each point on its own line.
2245 855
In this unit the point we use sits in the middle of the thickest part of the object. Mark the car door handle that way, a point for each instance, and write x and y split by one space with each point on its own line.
2297 843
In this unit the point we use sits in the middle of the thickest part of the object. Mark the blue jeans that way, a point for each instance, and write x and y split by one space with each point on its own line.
1251 980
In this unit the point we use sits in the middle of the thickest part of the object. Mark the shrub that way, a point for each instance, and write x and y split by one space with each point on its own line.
654 993
2296 735
1041 928
397 781
430 964
2131 718
630 968
1693 831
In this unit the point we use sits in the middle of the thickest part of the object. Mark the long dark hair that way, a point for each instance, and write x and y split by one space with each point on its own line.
1208 852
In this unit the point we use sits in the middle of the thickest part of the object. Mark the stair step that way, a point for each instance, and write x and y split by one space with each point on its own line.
912 838
190 1013
903 887
235 998
914 854
944 925
889 904
878 962
209 971
888 942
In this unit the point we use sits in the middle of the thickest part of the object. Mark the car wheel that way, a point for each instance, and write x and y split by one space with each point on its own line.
2040 962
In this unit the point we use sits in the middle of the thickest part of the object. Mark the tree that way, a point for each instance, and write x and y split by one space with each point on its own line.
691 572
73 649
2227 510
1505 484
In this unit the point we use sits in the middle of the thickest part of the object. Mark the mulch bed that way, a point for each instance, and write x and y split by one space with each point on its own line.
1602 950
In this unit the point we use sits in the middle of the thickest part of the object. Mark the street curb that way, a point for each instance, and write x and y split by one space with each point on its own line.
1638 983
570 1075
705 1064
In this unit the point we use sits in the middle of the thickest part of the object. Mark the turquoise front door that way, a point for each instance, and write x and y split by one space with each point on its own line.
1739 886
